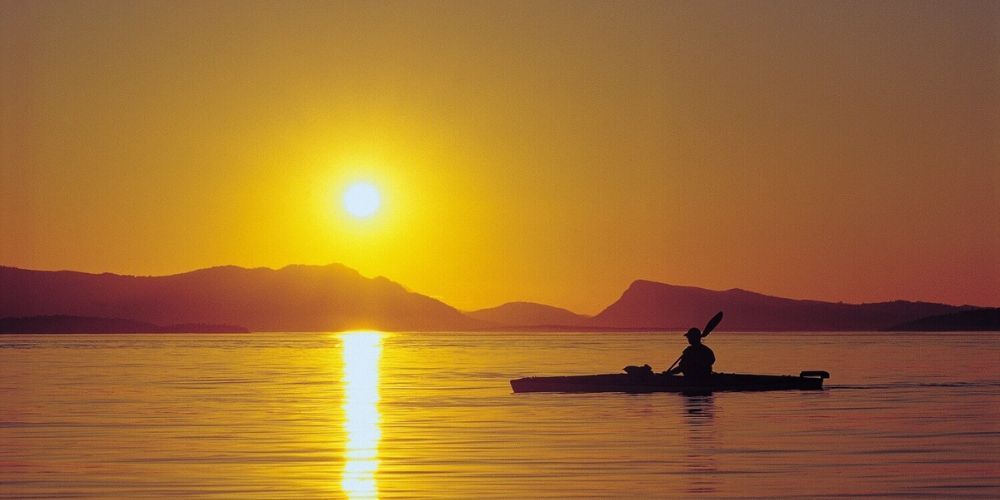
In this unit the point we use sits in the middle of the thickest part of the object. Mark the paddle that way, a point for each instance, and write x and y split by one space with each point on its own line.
712 323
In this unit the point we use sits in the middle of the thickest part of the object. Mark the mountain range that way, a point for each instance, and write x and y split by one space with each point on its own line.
294 298
651 305
335 298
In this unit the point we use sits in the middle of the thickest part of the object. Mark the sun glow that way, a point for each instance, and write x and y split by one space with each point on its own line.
361 351
362 199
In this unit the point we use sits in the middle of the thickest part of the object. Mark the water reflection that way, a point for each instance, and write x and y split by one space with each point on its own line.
703 446
362 352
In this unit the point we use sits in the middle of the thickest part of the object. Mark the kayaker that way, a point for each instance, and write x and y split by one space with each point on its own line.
697 358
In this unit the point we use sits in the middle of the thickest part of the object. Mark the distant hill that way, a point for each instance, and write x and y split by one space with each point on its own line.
85 324
651 305
294 298
978 320
335 298
529 314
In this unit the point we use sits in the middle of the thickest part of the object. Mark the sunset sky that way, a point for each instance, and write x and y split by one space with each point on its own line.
545 151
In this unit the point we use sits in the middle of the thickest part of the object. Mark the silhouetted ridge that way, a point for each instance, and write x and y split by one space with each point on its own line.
293 298
977 320
527 314
652 305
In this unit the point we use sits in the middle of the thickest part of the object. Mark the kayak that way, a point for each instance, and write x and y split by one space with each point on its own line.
660 382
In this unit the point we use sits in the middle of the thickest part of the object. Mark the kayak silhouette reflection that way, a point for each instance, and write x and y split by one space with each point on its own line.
362 352
703 444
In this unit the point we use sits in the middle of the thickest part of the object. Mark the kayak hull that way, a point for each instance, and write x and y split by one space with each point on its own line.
658 382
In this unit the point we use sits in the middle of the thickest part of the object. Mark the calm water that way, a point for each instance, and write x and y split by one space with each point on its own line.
362 415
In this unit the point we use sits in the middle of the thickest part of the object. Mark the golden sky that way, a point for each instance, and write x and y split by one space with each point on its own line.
545 151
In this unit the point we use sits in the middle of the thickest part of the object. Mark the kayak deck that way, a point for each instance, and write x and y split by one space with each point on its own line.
659 382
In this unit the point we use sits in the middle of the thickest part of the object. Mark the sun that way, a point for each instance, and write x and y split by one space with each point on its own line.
362 199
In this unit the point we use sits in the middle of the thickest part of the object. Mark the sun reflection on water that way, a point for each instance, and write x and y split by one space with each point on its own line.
362 352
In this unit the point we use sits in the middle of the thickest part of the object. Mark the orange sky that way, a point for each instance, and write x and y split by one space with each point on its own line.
544 151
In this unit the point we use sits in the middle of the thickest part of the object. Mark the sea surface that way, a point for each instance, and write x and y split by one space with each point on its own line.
426 415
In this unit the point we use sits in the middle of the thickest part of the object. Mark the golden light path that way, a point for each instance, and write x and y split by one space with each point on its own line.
362 351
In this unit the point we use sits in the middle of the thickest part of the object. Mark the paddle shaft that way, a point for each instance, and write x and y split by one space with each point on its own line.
675 363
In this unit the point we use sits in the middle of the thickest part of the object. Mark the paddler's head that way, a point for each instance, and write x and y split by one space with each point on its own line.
694 336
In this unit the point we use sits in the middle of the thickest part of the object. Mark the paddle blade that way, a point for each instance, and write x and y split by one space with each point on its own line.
712 323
